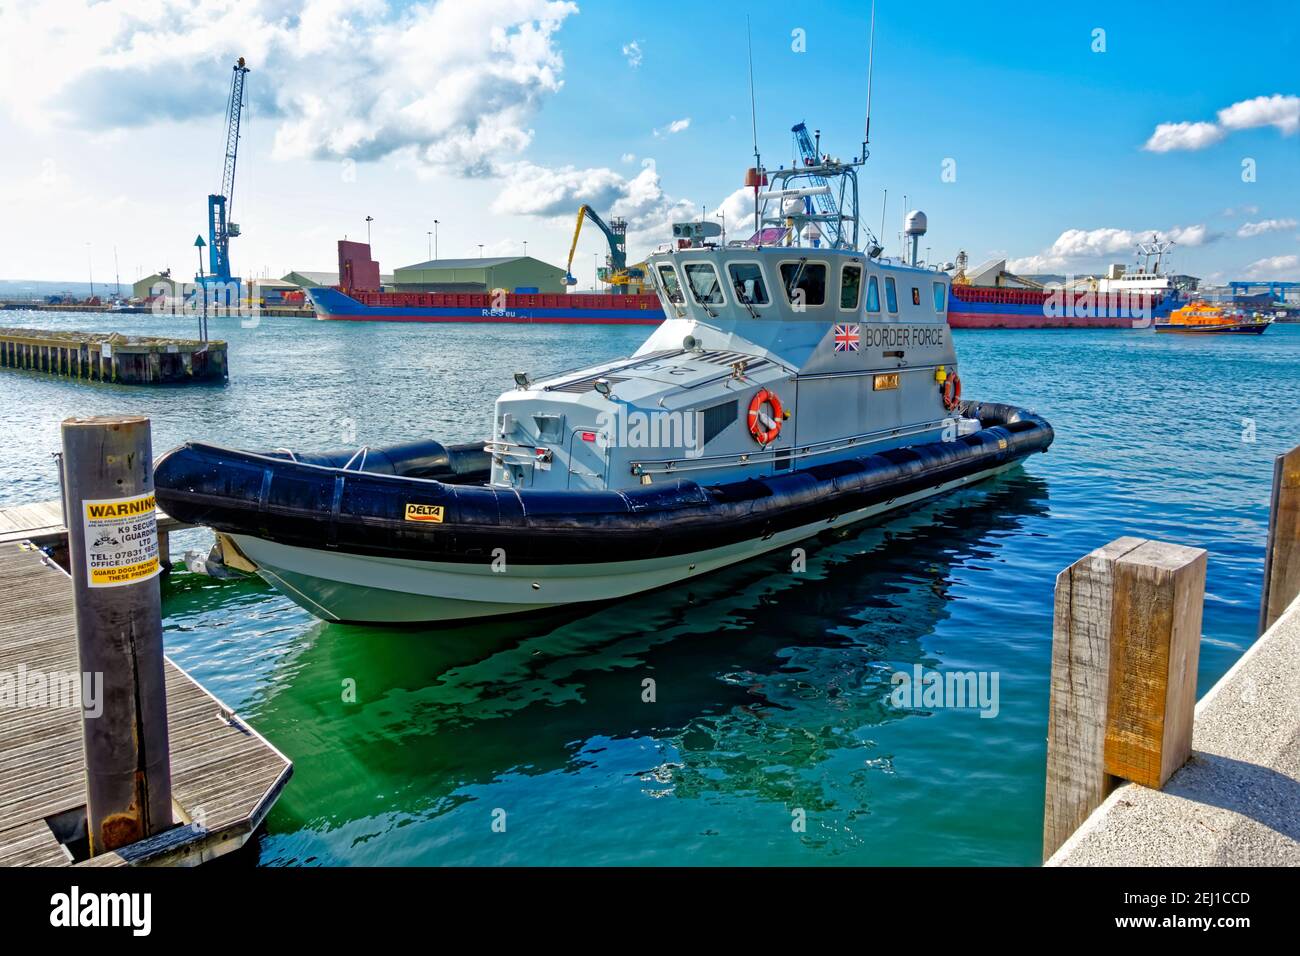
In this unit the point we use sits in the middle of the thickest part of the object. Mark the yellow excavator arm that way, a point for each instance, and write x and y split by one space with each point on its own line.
569 278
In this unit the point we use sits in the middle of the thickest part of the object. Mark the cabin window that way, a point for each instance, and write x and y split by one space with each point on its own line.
747 281
851 287
805 282
916 295
940 297
706 287
873 294
891 294
671 286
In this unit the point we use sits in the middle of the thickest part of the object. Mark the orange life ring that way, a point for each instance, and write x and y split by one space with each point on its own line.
952 392
765 436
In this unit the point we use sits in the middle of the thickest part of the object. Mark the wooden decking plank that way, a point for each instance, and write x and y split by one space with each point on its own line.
227 770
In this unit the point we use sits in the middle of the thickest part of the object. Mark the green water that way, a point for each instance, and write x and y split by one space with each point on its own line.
771 687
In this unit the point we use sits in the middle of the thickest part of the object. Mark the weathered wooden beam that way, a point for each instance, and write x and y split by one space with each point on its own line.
1080 688
1282 555
113 560
1156 614
1125 647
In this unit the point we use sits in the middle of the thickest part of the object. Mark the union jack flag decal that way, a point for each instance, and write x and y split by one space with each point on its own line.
846 338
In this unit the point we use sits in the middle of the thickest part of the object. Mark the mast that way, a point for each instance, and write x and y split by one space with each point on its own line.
871 56
753 119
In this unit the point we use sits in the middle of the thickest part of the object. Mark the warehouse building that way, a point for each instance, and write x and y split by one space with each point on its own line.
160 283
512 273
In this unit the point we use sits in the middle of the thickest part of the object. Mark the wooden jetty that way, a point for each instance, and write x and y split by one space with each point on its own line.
1139 773
225 776
113 357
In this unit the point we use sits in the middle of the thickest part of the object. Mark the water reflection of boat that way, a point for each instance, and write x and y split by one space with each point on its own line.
763 677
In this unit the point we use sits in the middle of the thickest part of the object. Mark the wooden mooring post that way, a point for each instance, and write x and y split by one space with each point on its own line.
1125 647
1282 556
114 562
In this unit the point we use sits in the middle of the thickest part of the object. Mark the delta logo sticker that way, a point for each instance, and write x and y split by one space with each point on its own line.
428 513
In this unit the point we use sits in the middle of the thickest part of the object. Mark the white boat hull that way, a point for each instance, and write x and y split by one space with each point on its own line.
343 587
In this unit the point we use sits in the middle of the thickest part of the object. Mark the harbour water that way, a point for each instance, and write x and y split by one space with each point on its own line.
771 686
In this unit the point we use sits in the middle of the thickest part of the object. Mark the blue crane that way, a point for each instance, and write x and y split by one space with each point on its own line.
220 229
827 206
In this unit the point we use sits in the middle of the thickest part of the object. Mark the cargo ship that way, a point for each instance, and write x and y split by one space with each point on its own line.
540 307
993 307
492 290
991 297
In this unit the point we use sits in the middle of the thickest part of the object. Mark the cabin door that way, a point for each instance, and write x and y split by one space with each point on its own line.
587 460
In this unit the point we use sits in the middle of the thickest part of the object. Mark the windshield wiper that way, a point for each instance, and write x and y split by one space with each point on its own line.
747 303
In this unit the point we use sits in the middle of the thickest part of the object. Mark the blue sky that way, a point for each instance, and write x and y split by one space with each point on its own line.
112 133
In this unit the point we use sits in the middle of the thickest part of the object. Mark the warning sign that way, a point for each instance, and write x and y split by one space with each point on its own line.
121 540
431 513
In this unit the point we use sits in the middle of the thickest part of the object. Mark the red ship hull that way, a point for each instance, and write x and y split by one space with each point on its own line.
479 307
989 307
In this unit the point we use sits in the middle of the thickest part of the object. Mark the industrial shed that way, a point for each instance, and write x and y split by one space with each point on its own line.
512 273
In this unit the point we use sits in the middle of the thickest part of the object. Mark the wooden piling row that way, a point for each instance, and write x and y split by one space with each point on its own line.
128 360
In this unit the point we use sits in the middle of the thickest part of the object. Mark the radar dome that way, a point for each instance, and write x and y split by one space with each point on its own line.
915 224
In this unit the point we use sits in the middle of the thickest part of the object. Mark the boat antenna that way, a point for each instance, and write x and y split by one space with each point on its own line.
753 117
884 201
871 56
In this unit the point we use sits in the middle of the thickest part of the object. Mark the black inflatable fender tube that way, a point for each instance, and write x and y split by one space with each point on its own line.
282 499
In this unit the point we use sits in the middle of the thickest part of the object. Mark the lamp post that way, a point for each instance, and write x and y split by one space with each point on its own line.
202 290
430 235
435 239
525 248
369 220
90 268
480 250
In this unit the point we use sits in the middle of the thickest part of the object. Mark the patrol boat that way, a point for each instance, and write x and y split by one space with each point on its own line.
800 383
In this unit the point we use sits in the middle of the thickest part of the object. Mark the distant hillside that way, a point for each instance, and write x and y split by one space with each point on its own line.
28 288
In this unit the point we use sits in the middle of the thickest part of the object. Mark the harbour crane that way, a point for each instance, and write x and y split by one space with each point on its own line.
616 273
220 229
828 206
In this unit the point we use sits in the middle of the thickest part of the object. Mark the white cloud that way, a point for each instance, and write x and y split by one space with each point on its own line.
533 190
1232 212
1281 112
1274 267
454 84
676 126
738 210
1078 246
1250 229
628 157
632 52
1170 136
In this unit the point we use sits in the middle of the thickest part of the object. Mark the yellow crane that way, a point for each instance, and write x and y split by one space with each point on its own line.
616 271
